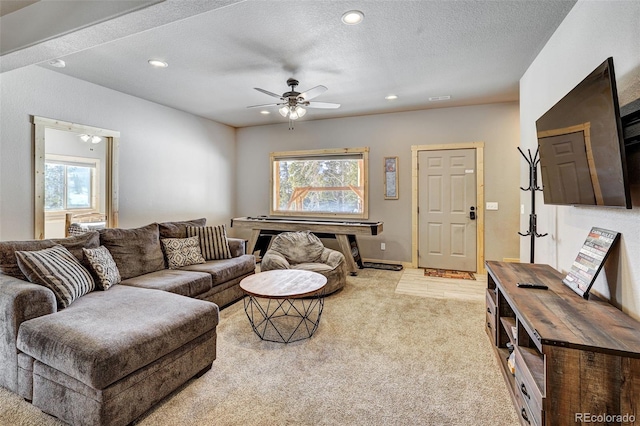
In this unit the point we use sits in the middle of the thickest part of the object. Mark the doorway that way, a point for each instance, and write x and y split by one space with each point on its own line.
448 218
75 175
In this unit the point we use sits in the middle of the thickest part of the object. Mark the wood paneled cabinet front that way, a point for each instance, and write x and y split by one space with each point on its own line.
576 361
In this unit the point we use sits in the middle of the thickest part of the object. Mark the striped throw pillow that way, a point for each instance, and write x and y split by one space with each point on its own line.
57 269
213 241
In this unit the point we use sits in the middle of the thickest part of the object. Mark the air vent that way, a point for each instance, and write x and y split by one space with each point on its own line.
439 98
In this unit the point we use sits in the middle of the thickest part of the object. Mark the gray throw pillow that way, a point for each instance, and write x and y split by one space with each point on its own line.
213 241
103 266
182 251
57 269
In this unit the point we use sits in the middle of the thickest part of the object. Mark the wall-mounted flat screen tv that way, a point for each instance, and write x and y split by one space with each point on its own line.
582 155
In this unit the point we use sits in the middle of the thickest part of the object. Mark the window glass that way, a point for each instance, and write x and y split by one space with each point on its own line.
54 187
68 185
78 187
330 183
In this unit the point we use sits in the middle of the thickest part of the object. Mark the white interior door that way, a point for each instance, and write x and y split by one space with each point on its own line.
447 209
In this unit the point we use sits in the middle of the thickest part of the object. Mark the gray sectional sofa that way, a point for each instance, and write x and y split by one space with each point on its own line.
111 355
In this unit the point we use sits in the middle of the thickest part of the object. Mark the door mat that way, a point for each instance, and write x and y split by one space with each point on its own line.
446 273
385 266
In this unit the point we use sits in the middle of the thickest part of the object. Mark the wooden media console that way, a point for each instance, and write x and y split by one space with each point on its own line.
577 361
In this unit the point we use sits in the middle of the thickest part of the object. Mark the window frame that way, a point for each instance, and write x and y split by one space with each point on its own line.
71 161
319 154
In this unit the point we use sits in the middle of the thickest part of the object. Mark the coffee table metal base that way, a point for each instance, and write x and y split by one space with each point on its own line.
284 320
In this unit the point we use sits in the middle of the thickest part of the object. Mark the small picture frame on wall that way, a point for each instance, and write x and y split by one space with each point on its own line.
390 178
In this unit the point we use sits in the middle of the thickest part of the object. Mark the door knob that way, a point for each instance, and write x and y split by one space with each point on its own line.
472 213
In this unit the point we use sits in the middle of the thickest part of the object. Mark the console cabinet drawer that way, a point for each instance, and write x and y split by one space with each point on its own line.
490 320
526 417
530 395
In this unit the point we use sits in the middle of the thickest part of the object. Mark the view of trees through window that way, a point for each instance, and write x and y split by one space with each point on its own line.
67 187
319 184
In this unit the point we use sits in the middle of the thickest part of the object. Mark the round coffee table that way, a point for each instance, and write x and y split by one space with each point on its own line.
284 305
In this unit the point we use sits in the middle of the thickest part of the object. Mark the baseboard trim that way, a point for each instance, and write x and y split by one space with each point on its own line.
395 262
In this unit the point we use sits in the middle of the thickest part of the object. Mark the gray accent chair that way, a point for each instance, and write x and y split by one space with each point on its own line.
304 250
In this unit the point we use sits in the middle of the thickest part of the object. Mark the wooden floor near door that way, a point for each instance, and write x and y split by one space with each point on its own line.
414 283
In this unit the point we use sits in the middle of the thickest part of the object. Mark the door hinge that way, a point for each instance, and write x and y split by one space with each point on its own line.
418 208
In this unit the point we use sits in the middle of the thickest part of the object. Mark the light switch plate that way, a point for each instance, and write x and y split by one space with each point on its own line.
493 205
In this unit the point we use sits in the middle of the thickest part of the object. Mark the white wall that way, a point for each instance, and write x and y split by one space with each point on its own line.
393 135
173 165
591 32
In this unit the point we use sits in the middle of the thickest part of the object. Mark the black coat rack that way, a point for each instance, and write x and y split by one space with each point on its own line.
533 162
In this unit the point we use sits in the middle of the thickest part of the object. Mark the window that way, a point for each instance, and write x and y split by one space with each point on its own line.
68 185
329 182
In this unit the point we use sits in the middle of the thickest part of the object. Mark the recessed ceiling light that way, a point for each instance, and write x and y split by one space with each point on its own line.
158 63
263 112
440 98
58 63
391 97
352 17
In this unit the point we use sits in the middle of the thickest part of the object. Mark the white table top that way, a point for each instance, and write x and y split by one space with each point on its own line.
283 284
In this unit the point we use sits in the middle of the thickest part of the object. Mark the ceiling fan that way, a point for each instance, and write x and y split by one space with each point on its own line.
293 104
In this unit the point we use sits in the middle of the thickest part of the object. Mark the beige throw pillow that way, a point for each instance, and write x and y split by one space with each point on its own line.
182 251
213 241
103 267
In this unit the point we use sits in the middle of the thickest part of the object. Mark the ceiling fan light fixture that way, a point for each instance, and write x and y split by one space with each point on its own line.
352 17
96 139
301 111
284 111
85 138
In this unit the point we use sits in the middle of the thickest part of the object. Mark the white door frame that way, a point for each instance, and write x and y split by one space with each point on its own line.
479 147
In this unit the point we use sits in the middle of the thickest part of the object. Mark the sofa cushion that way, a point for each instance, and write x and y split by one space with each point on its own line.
179 229
225 269
182 251
213 241
136 251
57 269
104 336
9 264
185 283
103 266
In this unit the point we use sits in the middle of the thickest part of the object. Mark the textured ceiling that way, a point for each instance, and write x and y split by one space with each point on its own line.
473 51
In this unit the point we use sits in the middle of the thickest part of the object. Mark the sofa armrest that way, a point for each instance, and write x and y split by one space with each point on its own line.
20 301
236 246
331 257
273 260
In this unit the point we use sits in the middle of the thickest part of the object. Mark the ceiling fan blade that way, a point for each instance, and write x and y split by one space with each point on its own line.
325 105
266 92
313 92
264 105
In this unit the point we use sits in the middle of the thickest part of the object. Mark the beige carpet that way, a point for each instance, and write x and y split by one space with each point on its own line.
378 358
